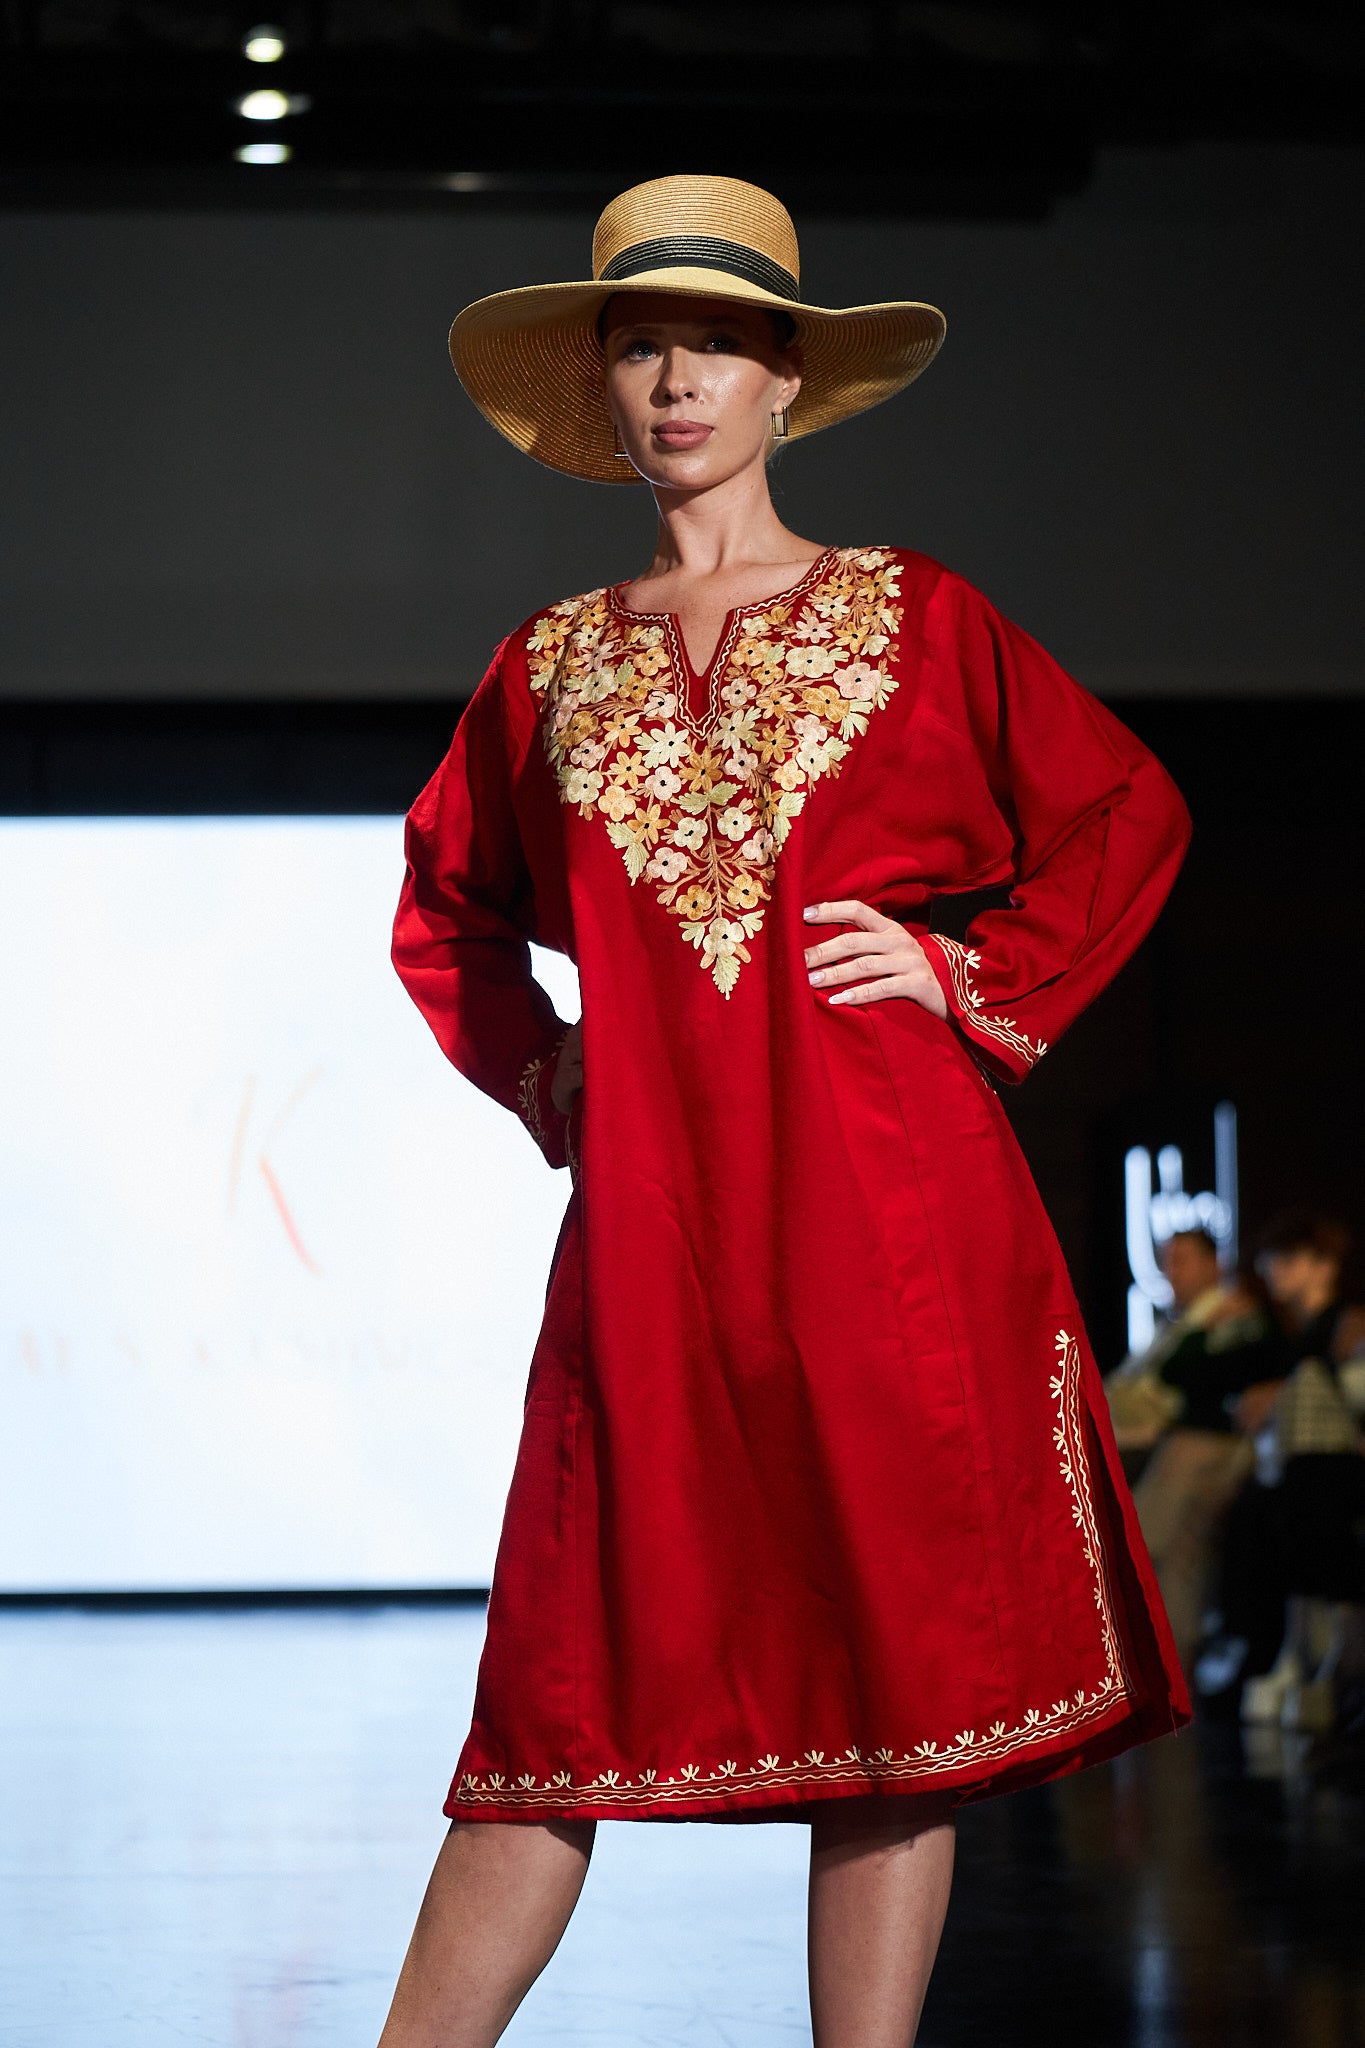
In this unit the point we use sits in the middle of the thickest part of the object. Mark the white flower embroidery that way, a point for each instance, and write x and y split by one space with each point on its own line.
667 748
668 863
735 821
860 681
812 662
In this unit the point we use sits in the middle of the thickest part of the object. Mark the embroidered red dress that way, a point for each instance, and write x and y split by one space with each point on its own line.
816 1494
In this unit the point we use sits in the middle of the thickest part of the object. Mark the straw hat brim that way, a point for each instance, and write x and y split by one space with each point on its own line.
531 361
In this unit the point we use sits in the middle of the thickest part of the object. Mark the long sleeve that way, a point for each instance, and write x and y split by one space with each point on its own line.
1098 831
460 936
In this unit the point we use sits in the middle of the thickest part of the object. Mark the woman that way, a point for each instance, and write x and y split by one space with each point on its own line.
816 1513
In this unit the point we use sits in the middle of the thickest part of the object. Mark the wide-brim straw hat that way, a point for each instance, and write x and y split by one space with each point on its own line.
532 360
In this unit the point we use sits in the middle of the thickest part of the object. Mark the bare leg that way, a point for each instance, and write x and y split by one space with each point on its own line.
499 1899
879 1884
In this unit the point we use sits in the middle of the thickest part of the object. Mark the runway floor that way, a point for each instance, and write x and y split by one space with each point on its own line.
215 1829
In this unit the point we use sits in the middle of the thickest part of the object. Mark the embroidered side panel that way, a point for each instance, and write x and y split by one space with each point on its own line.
528 1093
965 1752
1065 1387
962 964
702 810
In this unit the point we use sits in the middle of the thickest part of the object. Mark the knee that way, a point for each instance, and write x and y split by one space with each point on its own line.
886 1817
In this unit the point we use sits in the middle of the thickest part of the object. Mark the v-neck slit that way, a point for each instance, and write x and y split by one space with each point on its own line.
696 691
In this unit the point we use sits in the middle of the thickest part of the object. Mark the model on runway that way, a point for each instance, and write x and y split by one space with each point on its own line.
816 1513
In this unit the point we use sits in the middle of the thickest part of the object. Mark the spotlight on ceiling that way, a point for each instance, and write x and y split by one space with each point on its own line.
269 105
263 45
263 153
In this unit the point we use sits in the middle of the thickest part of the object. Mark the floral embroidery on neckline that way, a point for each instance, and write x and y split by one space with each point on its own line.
702 811
707 677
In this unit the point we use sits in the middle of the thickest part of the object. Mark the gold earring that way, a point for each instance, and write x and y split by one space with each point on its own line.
781 424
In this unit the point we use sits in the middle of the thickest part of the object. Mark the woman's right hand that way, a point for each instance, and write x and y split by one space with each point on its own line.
567 1079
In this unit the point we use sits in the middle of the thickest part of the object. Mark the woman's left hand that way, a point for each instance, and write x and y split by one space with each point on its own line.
881 956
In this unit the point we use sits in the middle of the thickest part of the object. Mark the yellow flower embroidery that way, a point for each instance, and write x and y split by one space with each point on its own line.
703 808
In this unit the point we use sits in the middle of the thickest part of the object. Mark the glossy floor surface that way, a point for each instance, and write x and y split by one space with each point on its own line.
215 1828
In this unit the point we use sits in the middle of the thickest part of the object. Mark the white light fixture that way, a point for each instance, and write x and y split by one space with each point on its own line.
269 105
263 153
263 45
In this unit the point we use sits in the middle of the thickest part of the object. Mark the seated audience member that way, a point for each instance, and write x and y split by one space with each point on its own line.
1219 1344
1142 1405
1309 1447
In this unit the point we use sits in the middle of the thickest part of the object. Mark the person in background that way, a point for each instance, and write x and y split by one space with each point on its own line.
1308 1445
1141 1405
1219 1343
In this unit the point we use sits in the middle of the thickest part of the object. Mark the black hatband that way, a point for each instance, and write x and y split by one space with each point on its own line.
705 252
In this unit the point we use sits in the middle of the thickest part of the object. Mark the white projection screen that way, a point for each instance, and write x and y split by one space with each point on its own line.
271 1270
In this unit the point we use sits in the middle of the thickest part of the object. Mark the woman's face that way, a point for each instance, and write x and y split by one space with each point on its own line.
693 384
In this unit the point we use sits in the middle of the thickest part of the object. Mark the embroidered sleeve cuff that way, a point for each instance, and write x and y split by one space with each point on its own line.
547 1125
995 1040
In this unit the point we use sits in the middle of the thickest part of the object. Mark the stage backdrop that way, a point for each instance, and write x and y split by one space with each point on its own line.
238 464
272 1269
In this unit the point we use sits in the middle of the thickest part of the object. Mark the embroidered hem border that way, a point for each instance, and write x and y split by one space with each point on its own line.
962 961
967 1751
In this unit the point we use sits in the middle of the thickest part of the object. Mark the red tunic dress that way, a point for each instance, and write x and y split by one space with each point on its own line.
816 1494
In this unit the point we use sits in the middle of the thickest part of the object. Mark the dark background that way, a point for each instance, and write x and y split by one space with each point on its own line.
257 546
238 463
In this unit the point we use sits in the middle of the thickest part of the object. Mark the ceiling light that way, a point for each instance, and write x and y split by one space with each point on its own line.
266 105
263 45
263 153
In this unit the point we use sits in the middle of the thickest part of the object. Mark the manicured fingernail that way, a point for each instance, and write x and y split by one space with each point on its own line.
815 976
840 996
810 910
